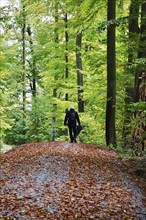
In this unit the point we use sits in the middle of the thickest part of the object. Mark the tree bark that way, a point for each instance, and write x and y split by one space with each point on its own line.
24 70
66 61
141 49
129 97
66 53
33 64
79 71
53 129
111 75
140 87
24 57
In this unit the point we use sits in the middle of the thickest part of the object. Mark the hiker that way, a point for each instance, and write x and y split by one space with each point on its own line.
71 120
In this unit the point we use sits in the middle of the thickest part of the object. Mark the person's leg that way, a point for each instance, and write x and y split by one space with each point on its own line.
74 132
70 134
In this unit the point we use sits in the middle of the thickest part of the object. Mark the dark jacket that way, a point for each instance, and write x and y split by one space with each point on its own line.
71 118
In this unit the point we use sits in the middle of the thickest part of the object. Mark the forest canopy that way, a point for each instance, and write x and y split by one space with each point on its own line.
58 53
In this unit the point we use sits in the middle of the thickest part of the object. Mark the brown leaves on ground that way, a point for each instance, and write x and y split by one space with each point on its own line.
63 181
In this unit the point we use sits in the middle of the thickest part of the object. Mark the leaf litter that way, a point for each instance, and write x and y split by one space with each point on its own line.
64 181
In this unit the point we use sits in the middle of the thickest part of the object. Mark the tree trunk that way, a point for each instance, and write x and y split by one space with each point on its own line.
140 87
133 27
53 129
141 50
79 72
24 57
142 43
129 97
66 53
24 70
33 64
66 62
111 76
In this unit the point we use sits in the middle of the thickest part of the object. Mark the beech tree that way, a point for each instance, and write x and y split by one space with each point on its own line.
32 64
140 87
66 51
79 71
24 55
133 28
111 75
63 46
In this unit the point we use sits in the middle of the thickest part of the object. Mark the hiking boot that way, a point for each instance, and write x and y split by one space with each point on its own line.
75 141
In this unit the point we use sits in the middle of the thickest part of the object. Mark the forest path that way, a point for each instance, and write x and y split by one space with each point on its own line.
64 181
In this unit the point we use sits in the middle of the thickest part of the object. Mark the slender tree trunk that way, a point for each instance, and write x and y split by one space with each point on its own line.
111 76
142 42
66 53
140 86
24 57
33 64
66 61
129 97
141 49
79 72
53 130
133 27
24 70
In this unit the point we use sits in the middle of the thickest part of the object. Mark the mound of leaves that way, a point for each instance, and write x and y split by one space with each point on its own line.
63 181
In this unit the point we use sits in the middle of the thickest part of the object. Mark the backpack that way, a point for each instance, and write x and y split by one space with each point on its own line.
72 117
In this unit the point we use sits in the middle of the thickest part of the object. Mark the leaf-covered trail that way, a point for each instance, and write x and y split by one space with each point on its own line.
63 181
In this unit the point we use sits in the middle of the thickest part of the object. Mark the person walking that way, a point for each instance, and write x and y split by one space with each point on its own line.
71 119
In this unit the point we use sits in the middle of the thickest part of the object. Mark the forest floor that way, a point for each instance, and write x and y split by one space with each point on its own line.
64 181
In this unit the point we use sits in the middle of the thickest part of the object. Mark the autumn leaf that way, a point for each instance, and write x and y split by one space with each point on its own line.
57 180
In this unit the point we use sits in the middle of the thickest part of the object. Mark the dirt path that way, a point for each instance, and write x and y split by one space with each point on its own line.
63 181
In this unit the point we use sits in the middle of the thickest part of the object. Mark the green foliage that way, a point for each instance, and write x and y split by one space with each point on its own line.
45 53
